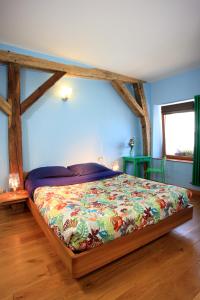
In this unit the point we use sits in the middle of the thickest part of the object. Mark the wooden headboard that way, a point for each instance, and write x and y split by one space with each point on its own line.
13 107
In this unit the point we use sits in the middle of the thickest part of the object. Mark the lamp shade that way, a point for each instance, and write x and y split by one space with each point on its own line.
115 165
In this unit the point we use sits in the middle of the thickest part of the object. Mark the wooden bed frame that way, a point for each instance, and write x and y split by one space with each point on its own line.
13 107
85 262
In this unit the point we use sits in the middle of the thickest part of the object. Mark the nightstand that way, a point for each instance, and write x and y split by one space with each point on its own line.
137 161
14 198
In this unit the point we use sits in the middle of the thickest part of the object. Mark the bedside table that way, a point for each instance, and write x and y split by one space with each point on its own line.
137 161
13 198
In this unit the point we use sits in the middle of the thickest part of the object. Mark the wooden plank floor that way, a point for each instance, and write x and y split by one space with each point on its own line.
168 268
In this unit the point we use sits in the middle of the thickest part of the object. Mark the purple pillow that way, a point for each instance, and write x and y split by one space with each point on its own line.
48 172
87 168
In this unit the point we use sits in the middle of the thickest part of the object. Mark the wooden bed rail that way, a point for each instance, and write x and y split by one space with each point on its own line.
87 261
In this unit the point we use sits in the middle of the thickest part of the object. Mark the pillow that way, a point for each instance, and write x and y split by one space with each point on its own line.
48 172
87 168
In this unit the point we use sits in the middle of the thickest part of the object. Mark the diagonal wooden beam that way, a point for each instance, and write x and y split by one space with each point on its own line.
40 91
139 91
71 70
128 98
5 106
137 95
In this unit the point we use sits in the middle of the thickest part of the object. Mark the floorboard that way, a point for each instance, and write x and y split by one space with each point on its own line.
168 268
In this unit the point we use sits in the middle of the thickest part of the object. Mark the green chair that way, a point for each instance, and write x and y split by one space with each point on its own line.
160 170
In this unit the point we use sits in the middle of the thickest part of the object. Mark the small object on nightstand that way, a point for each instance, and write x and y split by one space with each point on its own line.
13 181
101 161
115 166
131 145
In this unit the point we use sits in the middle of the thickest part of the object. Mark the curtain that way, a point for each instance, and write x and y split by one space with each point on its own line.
196 159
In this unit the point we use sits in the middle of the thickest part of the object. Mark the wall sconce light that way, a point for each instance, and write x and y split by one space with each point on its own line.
13 181
115 165
65 93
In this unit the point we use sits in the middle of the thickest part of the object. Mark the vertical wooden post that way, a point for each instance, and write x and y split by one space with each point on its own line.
146 136
139 106
145 122
14 122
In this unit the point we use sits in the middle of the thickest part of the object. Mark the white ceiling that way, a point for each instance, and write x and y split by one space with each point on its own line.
147 39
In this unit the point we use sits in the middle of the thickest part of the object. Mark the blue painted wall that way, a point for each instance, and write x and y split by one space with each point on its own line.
177 88
95 122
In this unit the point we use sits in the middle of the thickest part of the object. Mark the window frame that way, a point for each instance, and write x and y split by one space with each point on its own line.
172 109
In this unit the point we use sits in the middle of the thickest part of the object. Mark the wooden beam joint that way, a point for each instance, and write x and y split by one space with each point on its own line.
5 106
138 105
127 97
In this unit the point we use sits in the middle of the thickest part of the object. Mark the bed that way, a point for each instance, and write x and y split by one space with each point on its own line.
93 215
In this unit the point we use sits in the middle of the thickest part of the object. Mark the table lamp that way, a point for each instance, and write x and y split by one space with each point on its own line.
13 181
131 145
115 165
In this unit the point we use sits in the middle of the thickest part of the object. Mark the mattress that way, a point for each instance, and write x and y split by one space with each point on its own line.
90 214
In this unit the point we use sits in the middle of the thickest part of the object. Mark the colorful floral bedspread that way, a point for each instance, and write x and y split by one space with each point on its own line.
89 214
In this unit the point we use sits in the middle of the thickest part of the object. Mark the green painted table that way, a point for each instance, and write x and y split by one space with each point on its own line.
136 160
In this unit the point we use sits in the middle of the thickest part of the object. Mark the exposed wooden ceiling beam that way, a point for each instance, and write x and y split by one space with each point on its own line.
5 106
50 66
128 98
40 91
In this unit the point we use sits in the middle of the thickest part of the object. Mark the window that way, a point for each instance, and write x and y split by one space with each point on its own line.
178 130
